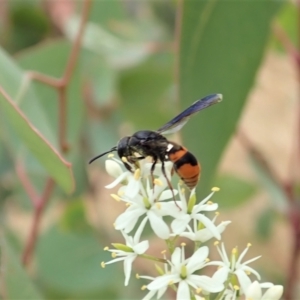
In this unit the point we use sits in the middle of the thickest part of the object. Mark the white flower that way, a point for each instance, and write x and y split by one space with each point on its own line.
129 252
234 266
134 181
159 292
203 235
148 203
182 272
113 168
194 212
274 292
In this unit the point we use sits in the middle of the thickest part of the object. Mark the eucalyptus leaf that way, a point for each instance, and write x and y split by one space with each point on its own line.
221 48
234 191
16 283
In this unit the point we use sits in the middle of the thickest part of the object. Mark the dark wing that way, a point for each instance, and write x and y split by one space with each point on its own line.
179 121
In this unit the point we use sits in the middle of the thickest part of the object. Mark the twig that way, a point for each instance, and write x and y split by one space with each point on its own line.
38 211
61 85
286 42
26 183
294 216
244 140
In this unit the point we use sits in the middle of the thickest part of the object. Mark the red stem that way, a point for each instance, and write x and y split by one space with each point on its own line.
61 86
39 208
294 215
26 183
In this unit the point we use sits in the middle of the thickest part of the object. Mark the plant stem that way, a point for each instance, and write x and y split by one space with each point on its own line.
61 85
39 208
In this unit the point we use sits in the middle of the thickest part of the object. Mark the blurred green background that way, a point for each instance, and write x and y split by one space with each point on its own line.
136 70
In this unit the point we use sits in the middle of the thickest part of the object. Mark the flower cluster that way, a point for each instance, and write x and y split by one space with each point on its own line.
173 216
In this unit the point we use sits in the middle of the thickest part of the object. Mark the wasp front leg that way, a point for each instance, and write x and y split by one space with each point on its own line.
131 160
152 170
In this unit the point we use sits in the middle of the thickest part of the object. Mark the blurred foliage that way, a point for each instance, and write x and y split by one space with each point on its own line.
28 25
127 78
237 191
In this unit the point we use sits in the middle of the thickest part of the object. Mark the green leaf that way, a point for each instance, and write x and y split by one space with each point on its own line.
144 90
29 24
53 162
11 81
69 263
287 19
264 224
51 59
74 217
234 191
221 47
16 284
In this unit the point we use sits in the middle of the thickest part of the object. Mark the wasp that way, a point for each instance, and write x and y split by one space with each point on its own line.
146 143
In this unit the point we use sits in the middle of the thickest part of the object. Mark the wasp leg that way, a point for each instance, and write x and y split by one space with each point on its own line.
132 160
128 167
152 171
168 182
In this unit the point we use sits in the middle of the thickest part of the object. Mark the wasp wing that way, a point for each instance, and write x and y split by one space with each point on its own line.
179 121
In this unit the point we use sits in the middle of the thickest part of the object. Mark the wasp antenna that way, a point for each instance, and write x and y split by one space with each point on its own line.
100 155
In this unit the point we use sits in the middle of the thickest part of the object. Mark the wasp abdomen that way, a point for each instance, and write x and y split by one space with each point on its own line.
185 164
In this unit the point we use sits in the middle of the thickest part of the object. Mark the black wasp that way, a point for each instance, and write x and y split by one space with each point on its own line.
154 144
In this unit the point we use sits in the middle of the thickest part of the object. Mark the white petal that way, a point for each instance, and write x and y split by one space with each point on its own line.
273 293
243 280
248 269
128 219
254 291
162 281
161 291
183 292
176 256
205 207
141 248
197 259
127 267
117 181
167 194
149 295
209 225
266 285
222 226
221 274
170 209
113 168
206 283
179 224
128 240
139 231
203 235
132 188
158 225
189 235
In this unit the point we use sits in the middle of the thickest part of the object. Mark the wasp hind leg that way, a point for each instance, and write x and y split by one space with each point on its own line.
168 182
